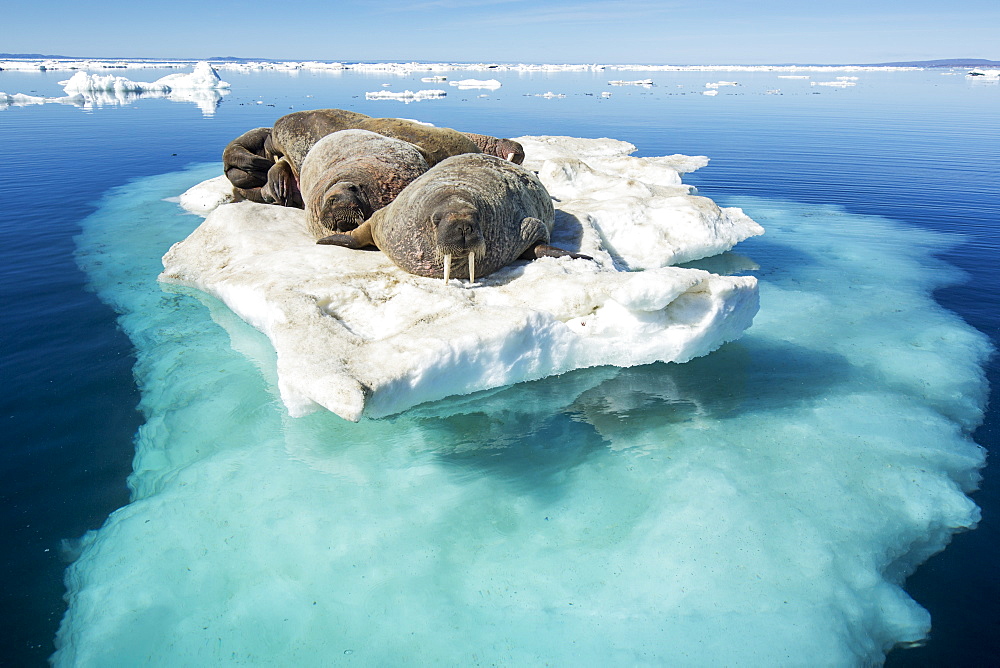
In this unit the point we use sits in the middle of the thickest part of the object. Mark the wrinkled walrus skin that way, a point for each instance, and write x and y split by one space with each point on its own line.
350 174
245 162
264 164
470 203
508 149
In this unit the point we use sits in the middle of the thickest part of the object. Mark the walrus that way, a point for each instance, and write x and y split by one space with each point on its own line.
285 147
292 136
469 215
350 174
245 162
435 143
508 149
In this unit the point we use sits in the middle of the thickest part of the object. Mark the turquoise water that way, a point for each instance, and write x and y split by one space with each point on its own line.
762 504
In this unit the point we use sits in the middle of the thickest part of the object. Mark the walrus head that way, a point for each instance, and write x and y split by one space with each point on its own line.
343 207
457 232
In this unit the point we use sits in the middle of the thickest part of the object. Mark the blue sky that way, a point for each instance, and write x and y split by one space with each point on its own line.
565 31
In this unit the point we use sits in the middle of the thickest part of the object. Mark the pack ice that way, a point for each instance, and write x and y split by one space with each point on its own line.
358 336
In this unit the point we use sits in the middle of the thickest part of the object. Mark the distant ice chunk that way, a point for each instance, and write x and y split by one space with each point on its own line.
204 77
463 84
358 336
840 83
645 83
984 75
406 95
201 86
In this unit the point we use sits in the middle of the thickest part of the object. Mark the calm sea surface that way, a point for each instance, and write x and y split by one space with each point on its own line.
918 148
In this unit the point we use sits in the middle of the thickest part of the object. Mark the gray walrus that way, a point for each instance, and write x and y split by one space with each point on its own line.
467 216
350 174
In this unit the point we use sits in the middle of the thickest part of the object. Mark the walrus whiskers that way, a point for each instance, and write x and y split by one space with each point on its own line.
447 267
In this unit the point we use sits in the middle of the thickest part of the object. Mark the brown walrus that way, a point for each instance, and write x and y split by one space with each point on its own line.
246 161
281 152
350 174
508 149
468 215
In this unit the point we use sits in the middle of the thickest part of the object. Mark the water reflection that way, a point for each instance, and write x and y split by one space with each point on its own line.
207 100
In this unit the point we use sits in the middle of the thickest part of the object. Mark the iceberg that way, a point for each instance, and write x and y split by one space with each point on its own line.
202 86
359 337
204 77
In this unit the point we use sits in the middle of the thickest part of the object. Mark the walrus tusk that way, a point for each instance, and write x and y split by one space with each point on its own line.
447 267
472 267
510 157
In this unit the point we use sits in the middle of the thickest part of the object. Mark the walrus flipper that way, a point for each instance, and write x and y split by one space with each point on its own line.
356 239
545 250
282 186
536 234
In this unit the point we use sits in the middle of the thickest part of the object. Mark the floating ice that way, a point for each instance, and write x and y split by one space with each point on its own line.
204 77
719 84
202 86
406 95
403 69
985 75
464 84
758 506
645 83
356 335
836 84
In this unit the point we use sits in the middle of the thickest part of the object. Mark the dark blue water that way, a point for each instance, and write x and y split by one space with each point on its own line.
917 148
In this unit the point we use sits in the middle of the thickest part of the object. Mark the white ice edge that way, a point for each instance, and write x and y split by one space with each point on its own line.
35 64
358 336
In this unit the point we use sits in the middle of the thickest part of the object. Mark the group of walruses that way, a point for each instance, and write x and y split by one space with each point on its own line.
437 202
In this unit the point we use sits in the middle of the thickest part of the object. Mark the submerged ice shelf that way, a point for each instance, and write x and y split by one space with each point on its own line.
757 506
358 336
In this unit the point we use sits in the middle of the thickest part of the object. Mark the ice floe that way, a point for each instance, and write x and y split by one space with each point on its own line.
358 336
645 83
489 84
403 69
841 82
984 75
406 95
202 86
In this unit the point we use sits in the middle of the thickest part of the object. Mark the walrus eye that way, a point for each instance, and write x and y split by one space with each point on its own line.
435 219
